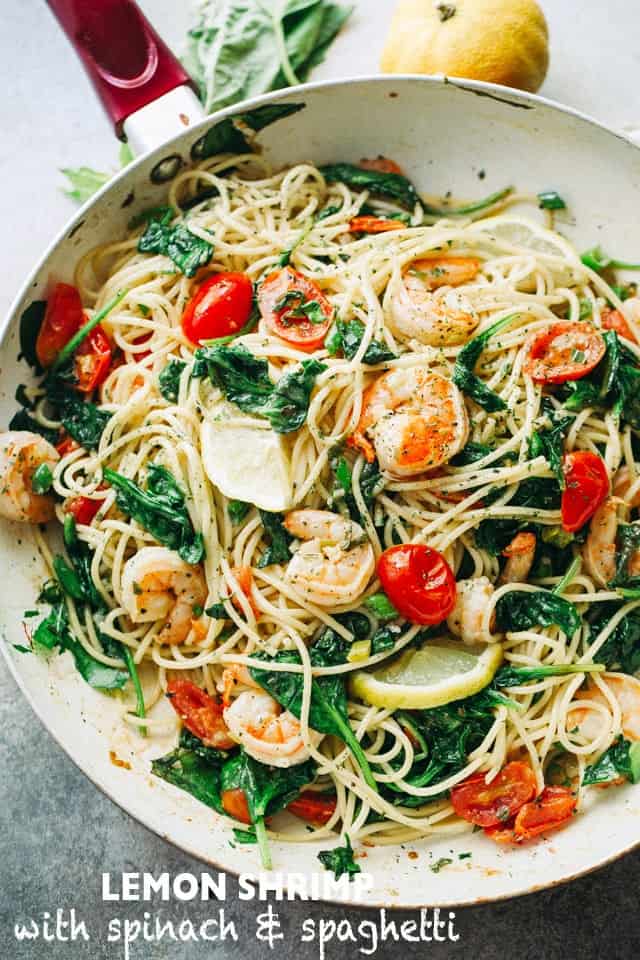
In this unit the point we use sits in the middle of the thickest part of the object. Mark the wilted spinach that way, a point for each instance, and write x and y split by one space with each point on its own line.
340 860
522 610
279 539
188 251
622 759
347 337
463 371
393 186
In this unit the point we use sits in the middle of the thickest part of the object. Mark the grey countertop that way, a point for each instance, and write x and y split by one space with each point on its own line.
58 832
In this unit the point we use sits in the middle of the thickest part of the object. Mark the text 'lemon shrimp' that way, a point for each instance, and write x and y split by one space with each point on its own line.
334 562
158 585
413 420
21 453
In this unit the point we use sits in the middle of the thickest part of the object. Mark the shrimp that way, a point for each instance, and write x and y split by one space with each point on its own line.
158 585
21 453
254 719
626 690
335 561
466 618
599 550
519 553
438 319
623 481
414 420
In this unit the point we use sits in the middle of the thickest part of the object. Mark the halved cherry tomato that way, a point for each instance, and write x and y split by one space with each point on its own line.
586 487
63 317
493 804
200 713
565 351
93 360
234 802
374 225
295 309
139 340
614 320
220 308
552 809
418 581
382 165
313 807
66 445
84 509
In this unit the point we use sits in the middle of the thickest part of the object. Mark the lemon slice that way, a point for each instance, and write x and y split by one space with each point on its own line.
435 674
518 231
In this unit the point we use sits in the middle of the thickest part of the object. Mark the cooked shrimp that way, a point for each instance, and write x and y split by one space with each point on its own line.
158 585
623 482
599 550
437 319
626 690
519 553
254 719
466 618
335 561
21 453
414 420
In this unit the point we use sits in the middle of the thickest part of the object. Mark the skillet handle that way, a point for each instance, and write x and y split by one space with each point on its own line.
128 63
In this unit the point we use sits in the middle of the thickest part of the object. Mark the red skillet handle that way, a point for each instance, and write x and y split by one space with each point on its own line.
128 63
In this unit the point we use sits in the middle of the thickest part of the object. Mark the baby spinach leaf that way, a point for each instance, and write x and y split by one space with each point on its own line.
244 380
621 651
83 420
30 323
628 543
267 790
548 442
279 539
186 769
466 379
393 186
347 336
539 493
385 638
22 421
340 860
371 483
471 453
328 710
602 387
160 509
622 759
237 511
187 251
169 380
522 610
151 213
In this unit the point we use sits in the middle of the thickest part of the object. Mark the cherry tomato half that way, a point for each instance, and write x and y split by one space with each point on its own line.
93 360
63 317
84 509
614 320
200 713
493 804
418 581
234 802
313 807
374 225
295 309
554 808
220 308
564 351
586 487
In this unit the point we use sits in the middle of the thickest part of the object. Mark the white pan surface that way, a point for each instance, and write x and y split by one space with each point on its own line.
444 135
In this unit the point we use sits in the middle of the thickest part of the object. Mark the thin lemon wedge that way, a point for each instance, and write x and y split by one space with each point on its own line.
429 677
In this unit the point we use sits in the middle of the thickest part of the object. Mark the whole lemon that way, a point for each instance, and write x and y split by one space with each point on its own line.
499 41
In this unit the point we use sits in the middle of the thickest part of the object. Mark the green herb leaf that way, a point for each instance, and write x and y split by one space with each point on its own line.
437 866
84 182
340 860
169 380
394 186
551 200
278 537
237 511
348 337
522 610
466 379
548 442
187 251
160 509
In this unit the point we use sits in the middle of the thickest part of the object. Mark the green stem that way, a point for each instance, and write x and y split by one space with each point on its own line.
351 741
78 337
560 588
469 208
285 63
263 842
137 686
